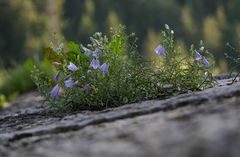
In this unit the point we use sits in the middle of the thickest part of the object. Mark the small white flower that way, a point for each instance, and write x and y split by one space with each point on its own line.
166 26
172 31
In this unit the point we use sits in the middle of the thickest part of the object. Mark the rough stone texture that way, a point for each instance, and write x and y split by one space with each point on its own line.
203 124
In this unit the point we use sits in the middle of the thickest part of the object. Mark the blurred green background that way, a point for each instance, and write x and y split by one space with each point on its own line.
26 26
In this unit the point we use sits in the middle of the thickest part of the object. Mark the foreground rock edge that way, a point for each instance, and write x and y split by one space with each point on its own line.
80 120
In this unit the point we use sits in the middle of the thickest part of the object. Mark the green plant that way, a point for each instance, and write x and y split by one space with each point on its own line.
17 80
3 102
110 72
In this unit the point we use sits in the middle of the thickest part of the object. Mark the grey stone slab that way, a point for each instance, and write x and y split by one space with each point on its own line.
204 123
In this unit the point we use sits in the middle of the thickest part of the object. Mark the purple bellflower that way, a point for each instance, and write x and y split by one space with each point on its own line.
69 83
104 68
57 76
205 62
55 91
160 50
197 56
96 53
72 67
95 64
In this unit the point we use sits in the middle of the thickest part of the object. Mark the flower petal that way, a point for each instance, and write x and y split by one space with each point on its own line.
197 56
205 62
104 68
57 76
95 64
96 53
55 91
72 67
160 50
69 83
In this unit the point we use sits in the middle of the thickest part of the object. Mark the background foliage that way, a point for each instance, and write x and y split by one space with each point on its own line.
26 26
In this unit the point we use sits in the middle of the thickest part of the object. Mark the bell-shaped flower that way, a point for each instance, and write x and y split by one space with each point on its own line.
160 50
95 64
72 67
69 83
197 56
205 62
104 68
55 91
57 76
96 53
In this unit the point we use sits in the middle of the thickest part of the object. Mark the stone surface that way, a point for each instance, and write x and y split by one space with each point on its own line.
203 124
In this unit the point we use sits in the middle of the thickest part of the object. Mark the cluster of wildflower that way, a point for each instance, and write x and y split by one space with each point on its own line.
180 70
160 50
69 82
105 73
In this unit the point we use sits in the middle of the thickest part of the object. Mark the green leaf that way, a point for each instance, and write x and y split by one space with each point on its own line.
51 55
73 47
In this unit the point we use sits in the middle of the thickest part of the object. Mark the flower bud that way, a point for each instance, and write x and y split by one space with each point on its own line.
167 27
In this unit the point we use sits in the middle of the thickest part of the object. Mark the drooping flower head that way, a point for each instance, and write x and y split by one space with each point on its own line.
95 64
55 91
72 67
197 56
96 53
69 83
104 68
57 76
160 50
205 62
